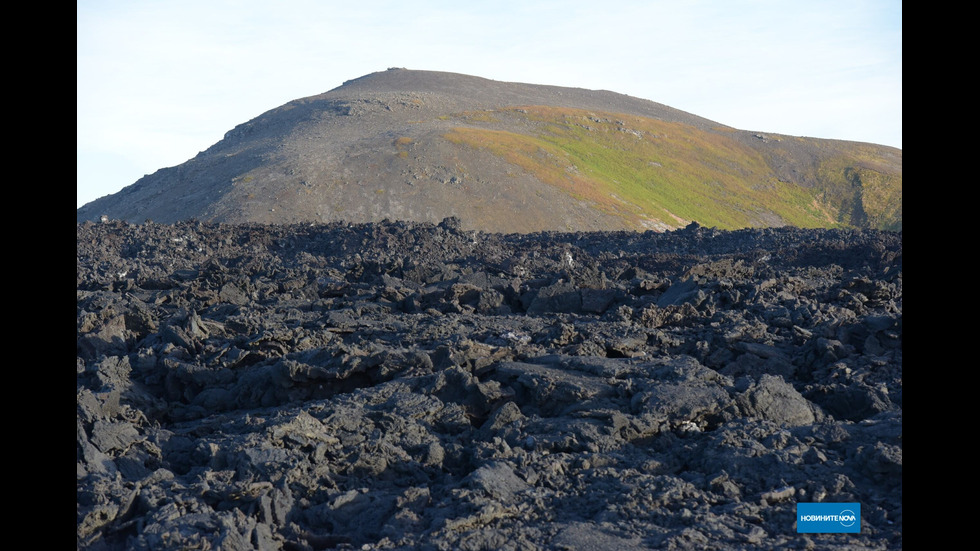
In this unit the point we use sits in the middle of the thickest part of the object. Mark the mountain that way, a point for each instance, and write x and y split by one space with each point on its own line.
510 157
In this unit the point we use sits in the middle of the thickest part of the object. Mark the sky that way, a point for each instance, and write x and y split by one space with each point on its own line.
160 80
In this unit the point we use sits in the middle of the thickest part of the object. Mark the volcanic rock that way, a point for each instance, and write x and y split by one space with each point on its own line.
406 385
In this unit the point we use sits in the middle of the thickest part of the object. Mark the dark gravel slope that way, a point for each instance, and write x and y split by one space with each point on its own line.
418 386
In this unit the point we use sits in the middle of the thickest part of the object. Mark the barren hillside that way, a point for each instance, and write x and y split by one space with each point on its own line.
510 157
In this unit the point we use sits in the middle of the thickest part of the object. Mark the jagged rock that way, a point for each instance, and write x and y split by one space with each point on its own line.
418 386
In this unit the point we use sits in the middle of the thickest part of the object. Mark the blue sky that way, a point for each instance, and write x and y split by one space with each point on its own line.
160 80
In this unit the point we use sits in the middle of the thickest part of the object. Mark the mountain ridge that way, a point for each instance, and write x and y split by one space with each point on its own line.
512 157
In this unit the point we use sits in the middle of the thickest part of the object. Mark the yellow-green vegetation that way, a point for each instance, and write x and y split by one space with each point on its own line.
402 143
477 116
643 169
863 187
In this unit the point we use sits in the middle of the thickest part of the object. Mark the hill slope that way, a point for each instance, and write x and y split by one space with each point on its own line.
511 157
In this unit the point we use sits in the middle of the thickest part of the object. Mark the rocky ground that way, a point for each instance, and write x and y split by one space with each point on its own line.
418 386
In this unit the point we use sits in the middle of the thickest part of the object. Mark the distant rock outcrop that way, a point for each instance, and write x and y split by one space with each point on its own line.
509 157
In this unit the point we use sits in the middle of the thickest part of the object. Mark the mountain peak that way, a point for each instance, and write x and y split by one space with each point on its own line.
512 157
